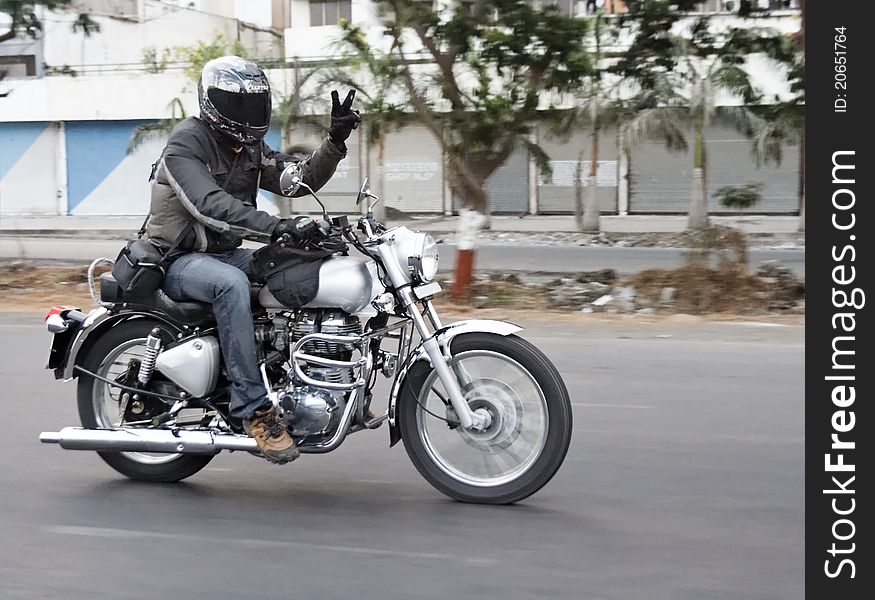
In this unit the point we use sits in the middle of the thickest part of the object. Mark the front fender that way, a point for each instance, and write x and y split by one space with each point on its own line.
444 336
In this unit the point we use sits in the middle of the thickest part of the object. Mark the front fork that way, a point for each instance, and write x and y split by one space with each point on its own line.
478 419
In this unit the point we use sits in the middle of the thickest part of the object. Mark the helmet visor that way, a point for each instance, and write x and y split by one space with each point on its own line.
252 110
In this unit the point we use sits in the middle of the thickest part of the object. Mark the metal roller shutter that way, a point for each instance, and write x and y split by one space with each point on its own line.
556 196
508 186
730 163
660 181
413 171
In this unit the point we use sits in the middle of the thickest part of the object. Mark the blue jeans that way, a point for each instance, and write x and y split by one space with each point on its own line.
221 280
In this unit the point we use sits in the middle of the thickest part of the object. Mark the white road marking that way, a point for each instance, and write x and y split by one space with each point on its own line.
132 534
590 405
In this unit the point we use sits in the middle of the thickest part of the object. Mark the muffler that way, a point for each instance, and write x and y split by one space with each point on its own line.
148 440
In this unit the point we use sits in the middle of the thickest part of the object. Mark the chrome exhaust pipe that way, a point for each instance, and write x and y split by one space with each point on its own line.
148 440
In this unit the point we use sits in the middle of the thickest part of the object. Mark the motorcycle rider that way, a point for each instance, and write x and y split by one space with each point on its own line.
204 201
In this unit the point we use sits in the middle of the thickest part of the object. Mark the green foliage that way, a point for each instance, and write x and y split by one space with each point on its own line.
194 57
199 54
376 77
741 196
686 73
155 61
652 54
487 67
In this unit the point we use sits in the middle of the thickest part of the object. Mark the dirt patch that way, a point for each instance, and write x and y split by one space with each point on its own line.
27 287
700 290
692 289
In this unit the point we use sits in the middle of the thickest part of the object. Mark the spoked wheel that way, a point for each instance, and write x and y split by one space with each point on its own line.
101 405
530 416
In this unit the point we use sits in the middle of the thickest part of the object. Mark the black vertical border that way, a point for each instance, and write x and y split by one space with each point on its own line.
827 132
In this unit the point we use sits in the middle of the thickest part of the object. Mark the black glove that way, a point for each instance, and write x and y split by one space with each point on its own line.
343 118
299 228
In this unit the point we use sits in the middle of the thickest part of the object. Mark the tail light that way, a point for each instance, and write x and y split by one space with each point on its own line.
56 321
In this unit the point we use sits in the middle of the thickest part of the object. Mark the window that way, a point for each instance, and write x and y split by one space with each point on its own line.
18 66
329 12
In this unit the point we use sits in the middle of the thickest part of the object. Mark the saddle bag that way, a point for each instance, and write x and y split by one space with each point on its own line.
139 268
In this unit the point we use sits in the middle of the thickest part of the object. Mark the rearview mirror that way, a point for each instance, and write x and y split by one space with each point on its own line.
290 179
363 192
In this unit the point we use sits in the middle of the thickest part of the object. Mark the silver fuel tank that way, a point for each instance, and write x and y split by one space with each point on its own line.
349 283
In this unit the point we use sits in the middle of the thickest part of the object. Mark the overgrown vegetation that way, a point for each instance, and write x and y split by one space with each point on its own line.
740 196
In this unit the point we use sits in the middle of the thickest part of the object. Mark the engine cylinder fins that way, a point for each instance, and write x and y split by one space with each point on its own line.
331 322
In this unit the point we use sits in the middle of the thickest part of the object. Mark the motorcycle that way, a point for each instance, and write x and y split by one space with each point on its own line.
483 414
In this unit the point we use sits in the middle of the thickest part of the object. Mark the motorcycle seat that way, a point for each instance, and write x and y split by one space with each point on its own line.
186 312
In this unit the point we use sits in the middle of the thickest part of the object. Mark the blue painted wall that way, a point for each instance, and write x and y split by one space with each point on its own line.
15 139
94 150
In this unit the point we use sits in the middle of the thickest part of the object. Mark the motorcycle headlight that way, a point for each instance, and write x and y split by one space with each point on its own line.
428 259
416 253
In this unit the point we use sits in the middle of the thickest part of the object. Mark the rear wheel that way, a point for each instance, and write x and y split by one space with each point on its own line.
530 428
100 405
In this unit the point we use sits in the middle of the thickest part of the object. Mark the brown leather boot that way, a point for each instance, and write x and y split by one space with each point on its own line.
270 434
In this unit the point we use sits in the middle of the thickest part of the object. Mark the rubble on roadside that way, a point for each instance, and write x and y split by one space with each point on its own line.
693 289
772 288
682 239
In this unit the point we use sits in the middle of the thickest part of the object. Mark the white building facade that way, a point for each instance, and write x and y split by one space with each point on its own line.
70 102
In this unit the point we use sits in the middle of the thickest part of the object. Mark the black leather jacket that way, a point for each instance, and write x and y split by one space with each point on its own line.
205 178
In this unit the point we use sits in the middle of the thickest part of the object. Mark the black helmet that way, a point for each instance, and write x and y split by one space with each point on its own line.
234 97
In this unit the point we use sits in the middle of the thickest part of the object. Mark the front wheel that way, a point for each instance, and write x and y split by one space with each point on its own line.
530 428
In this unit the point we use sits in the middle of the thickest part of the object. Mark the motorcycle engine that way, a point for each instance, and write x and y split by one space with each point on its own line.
309 410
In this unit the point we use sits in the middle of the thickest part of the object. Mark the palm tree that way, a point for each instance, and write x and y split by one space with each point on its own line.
160 129
708 68
599 105
784 122
595 108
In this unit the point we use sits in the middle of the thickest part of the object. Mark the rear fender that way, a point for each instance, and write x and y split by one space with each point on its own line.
98 322
444 337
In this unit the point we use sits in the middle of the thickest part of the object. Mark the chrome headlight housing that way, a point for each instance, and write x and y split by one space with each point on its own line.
428 259
416 253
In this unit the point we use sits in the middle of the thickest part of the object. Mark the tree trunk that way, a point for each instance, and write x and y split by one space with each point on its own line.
698 213
698 216
591 211
470 223
578 192
471 220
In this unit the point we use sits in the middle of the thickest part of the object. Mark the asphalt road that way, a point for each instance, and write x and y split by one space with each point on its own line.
504 257
684 481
